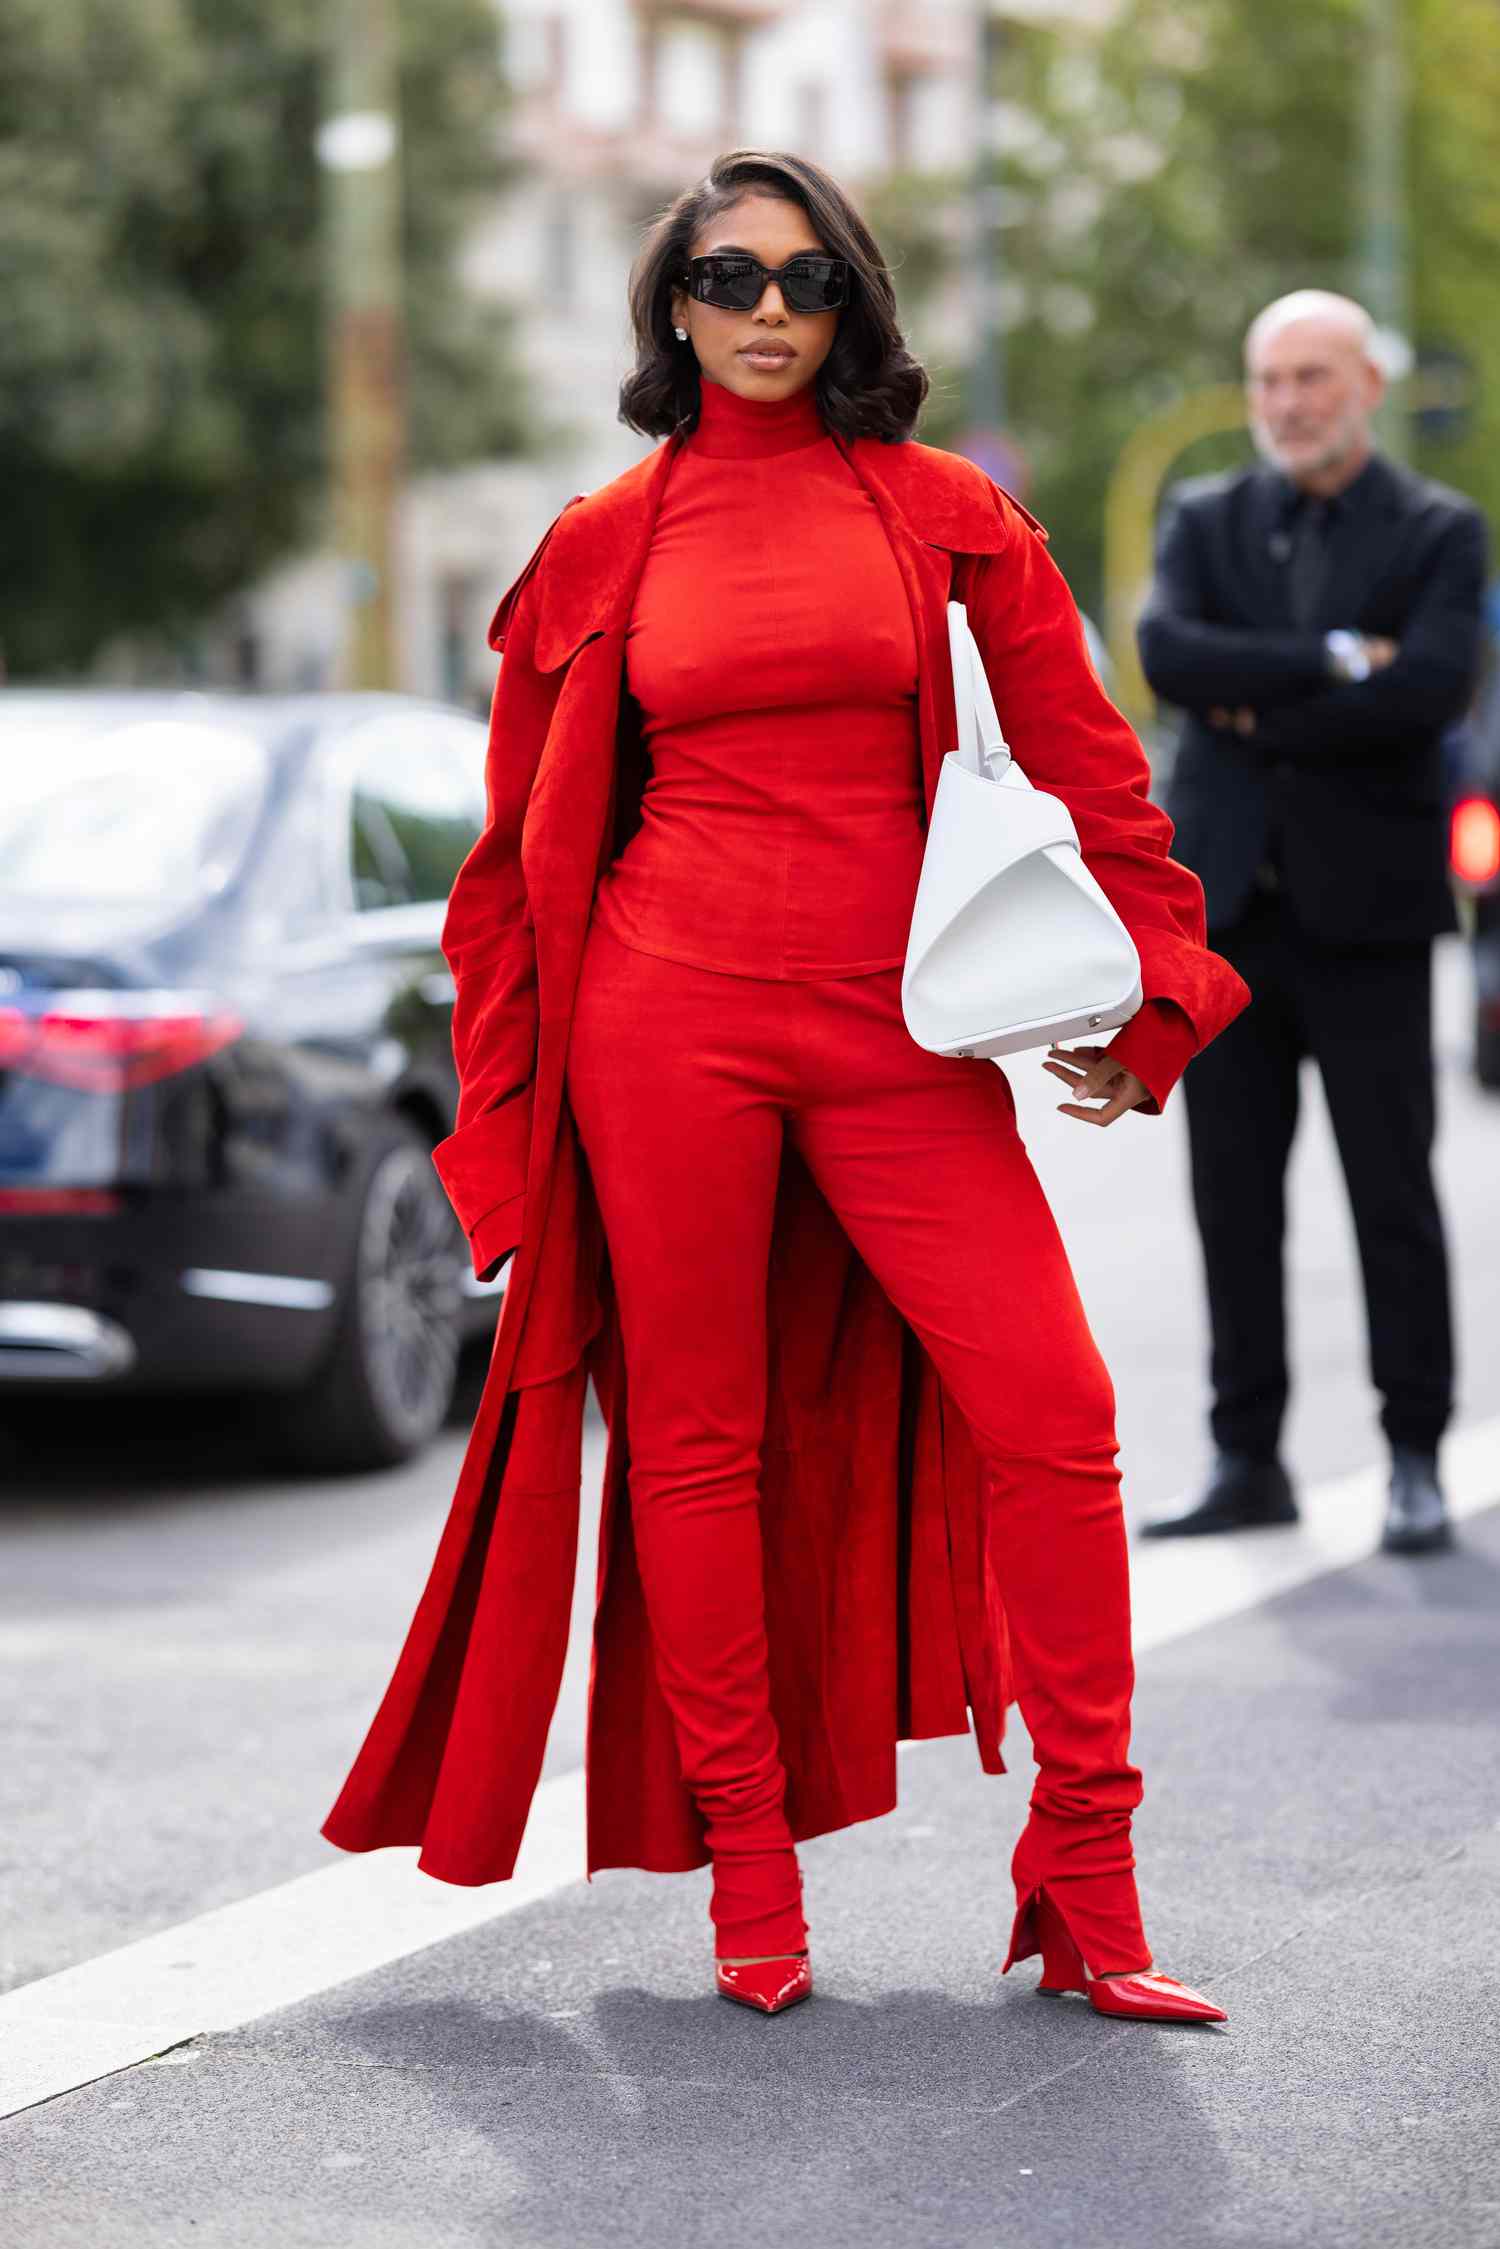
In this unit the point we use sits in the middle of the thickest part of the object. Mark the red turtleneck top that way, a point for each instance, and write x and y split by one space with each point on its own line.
772 652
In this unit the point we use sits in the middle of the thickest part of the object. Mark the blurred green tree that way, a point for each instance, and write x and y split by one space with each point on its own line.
161 340
1166 175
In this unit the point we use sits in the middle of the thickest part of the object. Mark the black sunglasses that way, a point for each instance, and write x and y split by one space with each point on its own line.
735 282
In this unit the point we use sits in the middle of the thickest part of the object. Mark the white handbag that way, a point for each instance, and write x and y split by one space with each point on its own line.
1013 944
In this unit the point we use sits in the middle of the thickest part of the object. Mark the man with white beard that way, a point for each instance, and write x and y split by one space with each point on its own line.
1316 621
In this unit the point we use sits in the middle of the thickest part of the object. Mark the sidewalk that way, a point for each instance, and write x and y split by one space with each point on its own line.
1319 1847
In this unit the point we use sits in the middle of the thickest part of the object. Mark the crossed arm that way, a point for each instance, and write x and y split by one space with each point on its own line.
1273 688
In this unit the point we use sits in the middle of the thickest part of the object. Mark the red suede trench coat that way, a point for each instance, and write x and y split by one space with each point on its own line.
884 1603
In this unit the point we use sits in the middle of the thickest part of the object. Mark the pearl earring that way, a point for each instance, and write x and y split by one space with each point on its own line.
680 334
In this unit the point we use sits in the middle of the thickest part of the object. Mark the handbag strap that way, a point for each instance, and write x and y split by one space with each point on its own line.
982 746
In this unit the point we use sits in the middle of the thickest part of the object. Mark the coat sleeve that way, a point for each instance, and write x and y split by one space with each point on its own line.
1069 739
489 945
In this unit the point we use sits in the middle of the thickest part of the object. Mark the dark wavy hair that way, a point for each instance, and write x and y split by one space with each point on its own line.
868 386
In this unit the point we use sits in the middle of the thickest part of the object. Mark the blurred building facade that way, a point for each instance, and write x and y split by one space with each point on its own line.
619 104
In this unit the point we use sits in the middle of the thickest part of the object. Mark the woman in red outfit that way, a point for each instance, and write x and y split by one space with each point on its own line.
732 1007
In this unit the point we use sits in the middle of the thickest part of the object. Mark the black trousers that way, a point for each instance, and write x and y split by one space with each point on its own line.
1365 1018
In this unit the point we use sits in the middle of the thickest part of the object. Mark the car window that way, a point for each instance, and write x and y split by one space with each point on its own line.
125 823
417 805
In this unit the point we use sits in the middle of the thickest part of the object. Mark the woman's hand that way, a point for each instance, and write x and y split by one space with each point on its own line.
1092 1076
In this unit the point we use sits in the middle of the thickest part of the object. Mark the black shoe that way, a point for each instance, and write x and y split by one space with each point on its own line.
1244 1494
1417 1519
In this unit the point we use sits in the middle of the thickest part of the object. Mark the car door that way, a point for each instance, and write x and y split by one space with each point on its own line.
389 804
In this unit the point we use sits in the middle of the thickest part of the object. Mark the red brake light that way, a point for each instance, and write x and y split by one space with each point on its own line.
58 1202
1474 841
107 1042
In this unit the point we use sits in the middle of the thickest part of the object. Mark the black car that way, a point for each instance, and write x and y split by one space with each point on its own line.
1474 854
225 1057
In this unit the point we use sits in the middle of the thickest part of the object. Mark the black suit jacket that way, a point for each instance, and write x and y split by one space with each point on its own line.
1341 785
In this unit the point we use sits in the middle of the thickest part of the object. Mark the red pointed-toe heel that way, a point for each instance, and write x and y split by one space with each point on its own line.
1139 1995
757 1909
769 1986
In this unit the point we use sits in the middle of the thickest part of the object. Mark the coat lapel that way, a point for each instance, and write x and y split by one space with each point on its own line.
1263 560
1362 550
588 594
930 516
602 542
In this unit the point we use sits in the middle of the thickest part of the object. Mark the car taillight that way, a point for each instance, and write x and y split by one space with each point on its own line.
1474 841
107 1042
58 1202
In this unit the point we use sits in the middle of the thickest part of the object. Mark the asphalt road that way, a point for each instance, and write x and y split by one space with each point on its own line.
194 1646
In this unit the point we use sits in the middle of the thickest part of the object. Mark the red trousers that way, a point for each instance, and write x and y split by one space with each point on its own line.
682 1082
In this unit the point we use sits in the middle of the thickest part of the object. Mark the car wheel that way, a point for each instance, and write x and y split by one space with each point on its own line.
385 1388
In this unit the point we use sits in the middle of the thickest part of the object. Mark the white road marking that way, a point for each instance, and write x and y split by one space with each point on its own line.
265 1952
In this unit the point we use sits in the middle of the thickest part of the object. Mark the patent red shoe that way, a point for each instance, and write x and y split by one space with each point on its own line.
770 1986
1141 1995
